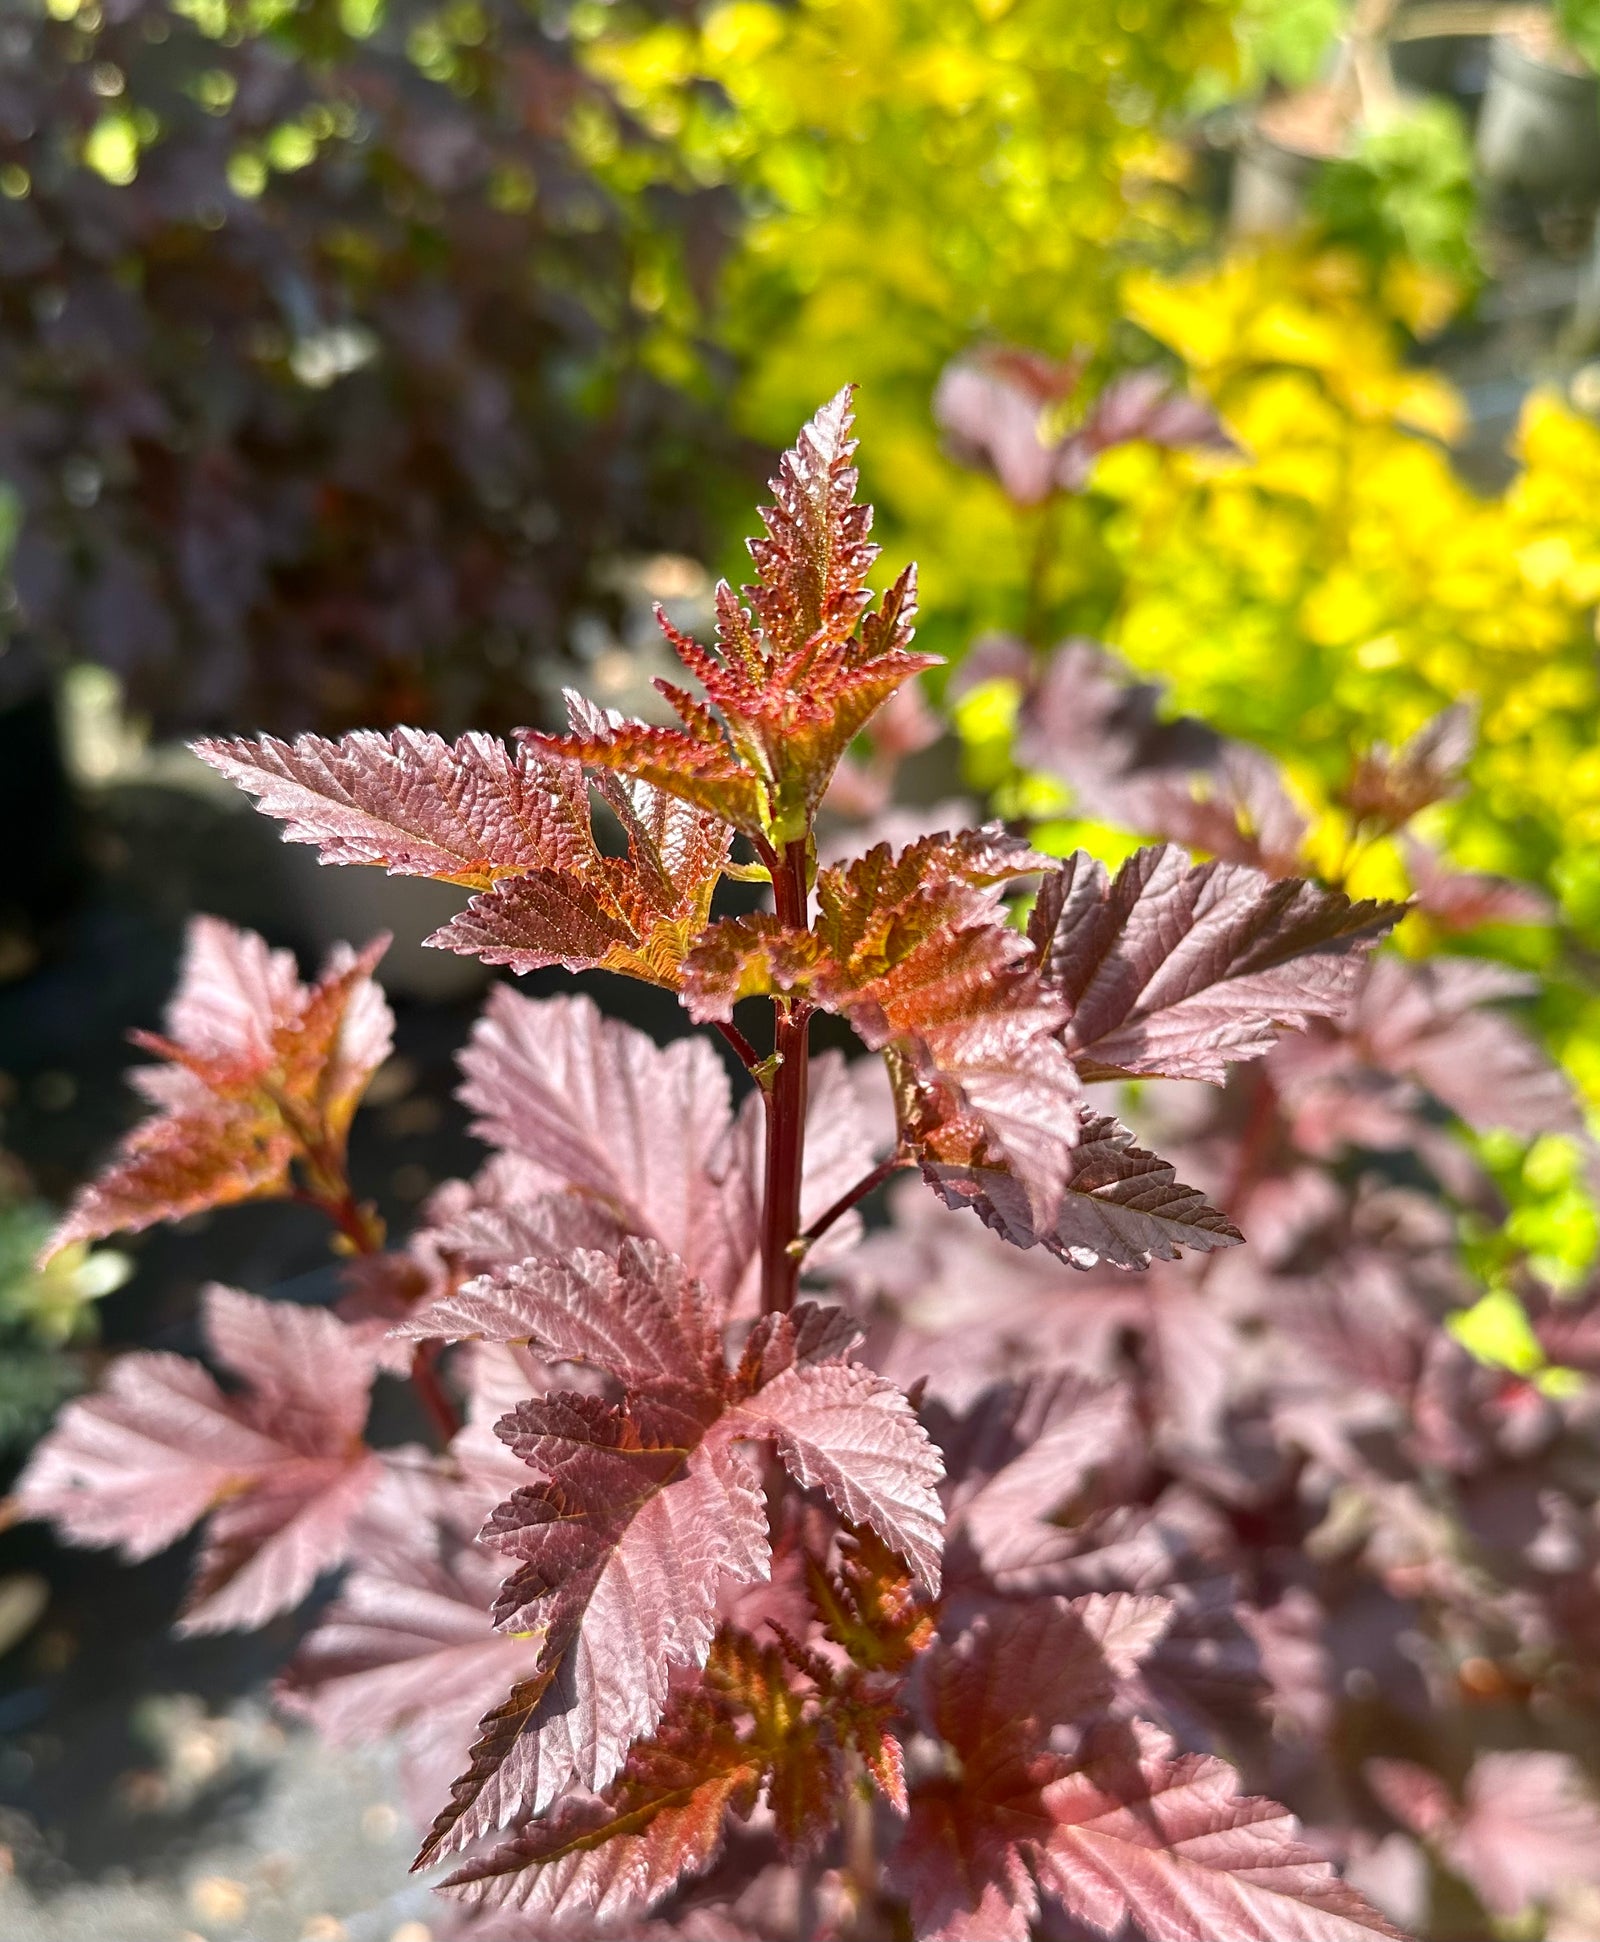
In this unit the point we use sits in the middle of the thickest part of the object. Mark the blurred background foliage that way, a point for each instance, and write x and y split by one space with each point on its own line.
324 371
350 350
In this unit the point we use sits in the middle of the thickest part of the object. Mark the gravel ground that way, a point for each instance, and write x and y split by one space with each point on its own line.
286 1840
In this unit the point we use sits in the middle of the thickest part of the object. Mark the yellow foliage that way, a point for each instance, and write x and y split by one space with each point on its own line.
1340 583
917 174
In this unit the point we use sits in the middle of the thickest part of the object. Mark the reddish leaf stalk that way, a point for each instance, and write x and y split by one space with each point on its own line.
1255 1144
357 1221
749 1057
848 1199
786 1107
430 1392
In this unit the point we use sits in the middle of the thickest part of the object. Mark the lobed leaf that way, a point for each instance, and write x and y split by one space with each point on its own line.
915 951
280 1465
1121 1832
1389 787
647 1134
1136 1834
1179 969
743 1728
1525 1824
643 1506
514 826
662 1820
467 812
851 1434
408 1647
1429 1022
1123 1207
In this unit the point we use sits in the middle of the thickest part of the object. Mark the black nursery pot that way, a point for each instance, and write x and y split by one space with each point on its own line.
1424 61
41 859
1539 132
1271 182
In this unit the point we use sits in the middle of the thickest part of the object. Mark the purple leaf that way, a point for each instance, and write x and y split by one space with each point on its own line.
1179 970
281 1466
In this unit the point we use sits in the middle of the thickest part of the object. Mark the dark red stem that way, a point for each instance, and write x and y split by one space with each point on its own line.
749 1057
363 1233
1255 1145
848 1199
786 1107
430 1391
358 1225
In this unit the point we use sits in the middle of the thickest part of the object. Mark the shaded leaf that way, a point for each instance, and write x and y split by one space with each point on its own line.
1429 1022
1134 1833
1122 1831
1122 1206
1462 900
647 1134
662 1819
1526 1826
280 1466
1180 969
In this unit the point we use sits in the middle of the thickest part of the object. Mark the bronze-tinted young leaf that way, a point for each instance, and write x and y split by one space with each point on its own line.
1388 787
643 1506
871 1606
872 914
515 827
280 1465
744 1728
915 951
1178 970
796 675
660 1820
1122 1207
262 1072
